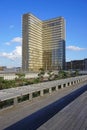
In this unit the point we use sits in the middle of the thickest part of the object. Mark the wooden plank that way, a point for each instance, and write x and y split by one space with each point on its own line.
72 117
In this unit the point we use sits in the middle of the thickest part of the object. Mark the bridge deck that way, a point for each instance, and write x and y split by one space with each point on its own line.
72 117
79 106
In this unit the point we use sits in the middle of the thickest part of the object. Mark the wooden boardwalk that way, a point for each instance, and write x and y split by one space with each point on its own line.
72 117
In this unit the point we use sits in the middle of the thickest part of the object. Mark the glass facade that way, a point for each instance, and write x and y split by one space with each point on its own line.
43 43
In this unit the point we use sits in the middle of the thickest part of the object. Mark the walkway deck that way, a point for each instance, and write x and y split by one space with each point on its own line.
76 111
72 117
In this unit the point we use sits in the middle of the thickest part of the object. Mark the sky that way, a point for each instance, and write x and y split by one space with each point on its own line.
11 12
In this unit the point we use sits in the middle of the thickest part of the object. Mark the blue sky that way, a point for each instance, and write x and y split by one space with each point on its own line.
11 11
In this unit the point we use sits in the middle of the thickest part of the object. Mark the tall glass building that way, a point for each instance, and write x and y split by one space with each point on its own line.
43 43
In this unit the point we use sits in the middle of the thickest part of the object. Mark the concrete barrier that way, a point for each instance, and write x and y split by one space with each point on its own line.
26 92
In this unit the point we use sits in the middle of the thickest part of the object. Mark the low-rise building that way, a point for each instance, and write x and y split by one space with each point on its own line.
77 65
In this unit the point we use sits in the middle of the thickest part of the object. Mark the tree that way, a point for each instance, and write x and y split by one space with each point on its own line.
41 74
1 82
51 75
20 75
62 74
20 78
1 79
76 73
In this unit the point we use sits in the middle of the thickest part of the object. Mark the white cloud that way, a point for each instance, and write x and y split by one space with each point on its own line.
75 48
14 40
15 54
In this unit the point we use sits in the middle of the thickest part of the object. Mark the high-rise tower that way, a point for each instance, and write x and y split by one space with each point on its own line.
43 43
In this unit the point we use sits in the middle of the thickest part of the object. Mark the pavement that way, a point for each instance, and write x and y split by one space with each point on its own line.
72 117
22 110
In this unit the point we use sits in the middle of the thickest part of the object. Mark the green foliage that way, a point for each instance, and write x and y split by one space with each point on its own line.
1 79
36 94
6 103
51 75
21 81
41 71
23 98
56 76
1 82
20 75
41 74
4 84
36 80
62 74
76 73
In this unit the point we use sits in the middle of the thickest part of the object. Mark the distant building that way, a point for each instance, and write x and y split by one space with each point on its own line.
2 68
43 43
77 65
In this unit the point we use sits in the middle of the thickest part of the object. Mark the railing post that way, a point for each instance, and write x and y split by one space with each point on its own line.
70 84
30 96
41 93
15 101
50 91
66 84
61 85
56 88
